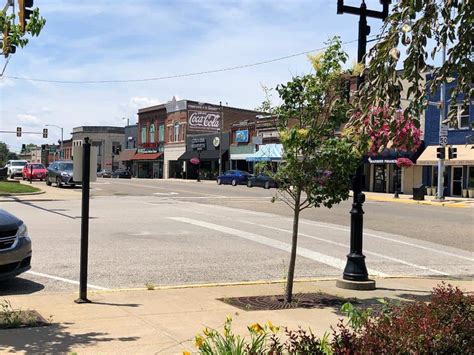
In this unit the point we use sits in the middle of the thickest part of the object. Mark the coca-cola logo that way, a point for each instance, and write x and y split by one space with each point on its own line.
204 120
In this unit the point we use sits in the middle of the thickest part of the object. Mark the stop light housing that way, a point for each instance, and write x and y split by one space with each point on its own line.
452 153
7 47
45 133
24 12
18 131
441 152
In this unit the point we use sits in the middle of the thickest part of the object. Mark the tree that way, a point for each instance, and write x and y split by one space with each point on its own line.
416 25
12 34
6 154
317 165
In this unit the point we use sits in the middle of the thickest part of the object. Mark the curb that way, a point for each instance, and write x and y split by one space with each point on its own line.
22 194
426 202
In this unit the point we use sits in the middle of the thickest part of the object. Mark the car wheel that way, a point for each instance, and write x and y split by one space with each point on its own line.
219 182
249 184
48 182
267 185
58 182
234 182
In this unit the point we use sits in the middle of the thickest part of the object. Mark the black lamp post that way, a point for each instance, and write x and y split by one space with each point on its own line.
355 274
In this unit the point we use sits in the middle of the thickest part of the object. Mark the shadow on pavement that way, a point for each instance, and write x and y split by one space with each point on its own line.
53 339
42 208
19 286
117 304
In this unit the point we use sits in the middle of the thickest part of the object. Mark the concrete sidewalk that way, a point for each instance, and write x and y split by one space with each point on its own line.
166 320
456 202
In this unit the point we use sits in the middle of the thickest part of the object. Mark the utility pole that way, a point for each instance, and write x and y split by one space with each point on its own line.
443 132
220 138
355 274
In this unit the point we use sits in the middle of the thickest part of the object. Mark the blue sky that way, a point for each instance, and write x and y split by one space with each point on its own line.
107 40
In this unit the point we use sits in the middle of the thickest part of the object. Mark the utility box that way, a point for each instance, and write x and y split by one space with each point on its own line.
419 192
77 159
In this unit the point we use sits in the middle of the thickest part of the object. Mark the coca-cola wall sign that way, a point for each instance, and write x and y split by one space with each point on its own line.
203 118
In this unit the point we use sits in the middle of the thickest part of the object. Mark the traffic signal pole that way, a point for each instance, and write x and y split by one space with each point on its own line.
442 142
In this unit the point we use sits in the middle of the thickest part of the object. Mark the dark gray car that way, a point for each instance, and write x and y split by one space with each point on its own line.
15 246
60 173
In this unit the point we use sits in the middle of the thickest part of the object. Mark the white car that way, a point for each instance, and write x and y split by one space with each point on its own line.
15 167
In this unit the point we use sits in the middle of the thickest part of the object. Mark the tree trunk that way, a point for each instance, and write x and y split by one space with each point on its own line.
294 242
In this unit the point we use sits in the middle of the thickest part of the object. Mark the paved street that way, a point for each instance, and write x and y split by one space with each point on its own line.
173 232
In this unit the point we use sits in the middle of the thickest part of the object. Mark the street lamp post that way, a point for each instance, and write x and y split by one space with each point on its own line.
61 152
355 274
220 138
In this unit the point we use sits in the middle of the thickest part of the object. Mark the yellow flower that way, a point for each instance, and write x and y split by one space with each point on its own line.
257 328
272 327
186 353
303 132
199 341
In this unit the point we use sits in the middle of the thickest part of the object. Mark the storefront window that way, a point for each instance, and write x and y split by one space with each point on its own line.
143 135
471 177
152 133
161 133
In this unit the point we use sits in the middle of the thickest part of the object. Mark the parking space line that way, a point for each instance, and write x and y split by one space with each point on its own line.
64 280
307 253
345 246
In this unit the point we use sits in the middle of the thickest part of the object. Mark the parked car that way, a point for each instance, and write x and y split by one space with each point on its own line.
105 173
60 173
15 167
262 180
34 171
122 174
15 246
233 177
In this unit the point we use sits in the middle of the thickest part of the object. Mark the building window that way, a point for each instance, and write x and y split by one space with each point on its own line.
152 133
161 133
170 133
176 132
143 135
470 182
463 117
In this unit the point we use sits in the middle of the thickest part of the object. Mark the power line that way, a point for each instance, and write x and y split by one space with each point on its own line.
176 75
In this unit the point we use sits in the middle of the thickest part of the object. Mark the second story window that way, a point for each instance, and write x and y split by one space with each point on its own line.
161 133
176 132
143 135
152 133
463 117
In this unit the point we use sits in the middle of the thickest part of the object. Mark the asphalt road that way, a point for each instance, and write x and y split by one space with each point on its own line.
171 232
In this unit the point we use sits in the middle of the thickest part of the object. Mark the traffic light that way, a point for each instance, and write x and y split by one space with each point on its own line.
452 153
441 152
18 131
45 133
24 12
7 47
23 148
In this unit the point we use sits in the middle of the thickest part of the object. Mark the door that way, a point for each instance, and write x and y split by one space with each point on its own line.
379 178
457 181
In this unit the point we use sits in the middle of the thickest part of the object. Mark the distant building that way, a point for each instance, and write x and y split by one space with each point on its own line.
108 140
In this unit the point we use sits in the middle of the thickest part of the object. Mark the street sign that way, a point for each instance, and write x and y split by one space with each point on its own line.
443 131
443 140
77 158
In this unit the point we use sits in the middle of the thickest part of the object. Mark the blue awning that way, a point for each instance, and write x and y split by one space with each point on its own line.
267 152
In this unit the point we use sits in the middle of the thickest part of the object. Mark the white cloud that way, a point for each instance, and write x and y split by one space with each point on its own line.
28 119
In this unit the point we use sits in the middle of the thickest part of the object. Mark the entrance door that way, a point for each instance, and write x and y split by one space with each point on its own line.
457 181
379 178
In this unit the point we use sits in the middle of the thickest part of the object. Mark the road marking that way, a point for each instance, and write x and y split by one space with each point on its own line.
307 253
64 280
165 188
345 246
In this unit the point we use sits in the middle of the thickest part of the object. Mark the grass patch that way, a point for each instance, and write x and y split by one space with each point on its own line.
11 318
7 187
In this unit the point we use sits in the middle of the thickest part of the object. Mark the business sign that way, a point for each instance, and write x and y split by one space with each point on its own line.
257 140
198 144
242 136
382 161
203 117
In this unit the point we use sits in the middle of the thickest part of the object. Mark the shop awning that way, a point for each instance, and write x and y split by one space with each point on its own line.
267 152
465 155
127 154
389 156
203 155
147 156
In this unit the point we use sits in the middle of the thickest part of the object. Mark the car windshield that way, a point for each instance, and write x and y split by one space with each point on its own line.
36 166
19 163
65 166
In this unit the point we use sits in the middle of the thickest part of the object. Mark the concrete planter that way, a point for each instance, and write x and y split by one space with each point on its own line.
471 193
428 191
433 191
465 192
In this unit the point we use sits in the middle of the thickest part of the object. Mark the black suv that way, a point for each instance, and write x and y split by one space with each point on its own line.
15 246
60 173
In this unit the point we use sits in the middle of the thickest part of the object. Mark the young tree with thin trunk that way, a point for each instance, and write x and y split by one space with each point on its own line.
317 164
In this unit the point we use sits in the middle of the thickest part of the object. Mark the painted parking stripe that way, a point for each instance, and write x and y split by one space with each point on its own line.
345 246
64 280
307 253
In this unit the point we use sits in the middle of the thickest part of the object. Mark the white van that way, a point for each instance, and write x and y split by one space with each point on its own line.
15 167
